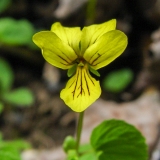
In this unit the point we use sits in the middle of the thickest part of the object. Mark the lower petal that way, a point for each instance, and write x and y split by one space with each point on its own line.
81 90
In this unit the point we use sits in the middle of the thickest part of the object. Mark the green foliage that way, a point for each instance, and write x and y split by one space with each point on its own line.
10 150
115 139
15 32
87 152
89 156
117 81
69 143
72 70
91 11
72 155
6 76
95 72
4 4
1 107
20 96
85 148
111 140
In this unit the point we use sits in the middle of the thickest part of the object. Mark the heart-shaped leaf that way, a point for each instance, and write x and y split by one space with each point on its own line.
117 140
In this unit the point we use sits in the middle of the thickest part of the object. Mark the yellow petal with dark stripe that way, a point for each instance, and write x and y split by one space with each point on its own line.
107 48
54 50
81 90
91 34
70 36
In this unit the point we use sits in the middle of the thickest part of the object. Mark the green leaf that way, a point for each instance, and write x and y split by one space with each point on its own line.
69 144
88 156
20 97
72 70
118 80
9 155
16 145
4 4
15 32
117 140
95 72
10 150
1 137
85 148
6 76
1 107
72 155
87 152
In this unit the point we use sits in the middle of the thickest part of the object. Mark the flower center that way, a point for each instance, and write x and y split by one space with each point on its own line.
81 62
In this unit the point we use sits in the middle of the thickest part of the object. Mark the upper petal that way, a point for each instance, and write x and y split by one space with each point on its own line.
70 36
92 33
81 90
107 48
54 50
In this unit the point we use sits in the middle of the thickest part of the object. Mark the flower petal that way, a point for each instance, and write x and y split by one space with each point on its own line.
70 36
81 90
92 33
107 48
55 51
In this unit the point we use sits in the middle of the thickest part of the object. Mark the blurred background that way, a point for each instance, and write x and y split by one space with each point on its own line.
32 115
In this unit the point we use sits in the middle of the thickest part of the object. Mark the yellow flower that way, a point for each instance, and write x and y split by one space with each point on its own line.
81 52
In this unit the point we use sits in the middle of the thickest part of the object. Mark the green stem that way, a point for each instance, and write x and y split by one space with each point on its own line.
91 11
79 129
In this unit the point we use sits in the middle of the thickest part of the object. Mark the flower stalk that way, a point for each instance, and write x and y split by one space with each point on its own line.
79 129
